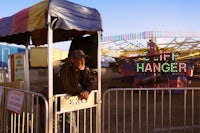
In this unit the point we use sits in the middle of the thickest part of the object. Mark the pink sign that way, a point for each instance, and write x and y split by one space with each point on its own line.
15 101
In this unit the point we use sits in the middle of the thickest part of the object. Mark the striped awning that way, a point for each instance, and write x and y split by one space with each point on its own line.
71 20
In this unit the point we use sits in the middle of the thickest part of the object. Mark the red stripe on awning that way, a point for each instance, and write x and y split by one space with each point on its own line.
20 21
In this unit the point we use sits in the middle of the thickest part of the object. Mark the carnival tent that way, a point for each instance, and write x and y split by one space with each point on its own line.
68 20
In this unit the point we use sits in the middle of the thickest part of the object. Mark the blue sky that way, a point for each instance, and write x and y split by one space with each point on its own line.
132 16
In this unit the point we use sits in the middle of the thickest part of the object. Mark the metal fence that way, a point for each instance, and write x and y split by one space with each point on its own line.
32 116
80 113
145 110
132 110
71 114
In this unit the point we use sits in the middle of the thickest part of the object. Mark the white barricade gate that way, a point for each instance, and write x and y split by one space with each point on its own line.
22 111
80 113
155 110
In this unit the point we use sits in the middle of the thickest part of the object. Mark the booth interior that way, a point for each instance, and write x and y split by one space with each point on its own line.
39 64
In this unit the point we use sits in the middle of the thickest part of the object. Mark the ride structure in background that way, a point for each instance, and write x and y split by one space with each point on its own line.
158 63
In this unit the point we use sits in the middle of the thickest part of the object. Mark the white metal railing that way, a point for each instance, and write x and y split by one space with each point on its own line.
137 110
124 110
80 113
31 119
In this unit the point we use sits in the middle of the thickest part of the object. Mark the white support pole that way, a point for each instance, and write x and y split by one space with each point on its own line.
50 76
27 80
98 117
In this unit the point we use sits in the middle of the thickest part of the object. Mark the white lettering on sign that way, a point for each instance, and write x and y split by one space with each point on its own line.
1 93
15 101
69 103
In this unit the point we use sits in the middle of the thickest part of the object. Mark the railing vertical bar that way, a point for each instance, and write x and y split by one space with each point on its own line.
139 111
15 123
23 121
103 116
199 105
109 112
55 115
192 109
18 123
37 115
154 113
32 113
91 121
124 111
12 121
1 113
185 108
132 111
27 122
147 111
70 119
162 108
85 122
28 113
170 110
116 120
6 115
64 121
78 121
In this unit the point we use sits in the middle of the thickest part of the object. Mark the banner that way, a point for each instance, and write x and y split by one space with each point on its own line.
152 34
15 101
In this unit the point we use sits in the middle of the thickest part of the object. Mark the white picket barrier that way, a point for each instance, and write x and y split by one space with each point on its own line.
80 113
22 111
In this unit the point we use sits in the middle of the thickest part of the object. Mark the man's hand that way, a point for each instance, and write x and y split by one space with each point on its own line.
84 95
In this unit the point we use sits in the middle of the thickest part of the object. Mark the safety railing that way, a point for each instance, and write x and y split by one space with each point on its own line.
80 113
139 110
22 111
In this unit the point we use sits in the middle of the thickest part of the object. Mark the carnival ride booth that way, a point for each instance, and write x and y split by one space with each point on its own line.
53 21
68 21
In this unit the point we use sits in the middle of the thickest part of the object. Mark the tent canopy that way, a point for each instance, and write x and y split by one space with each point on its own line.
69 20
